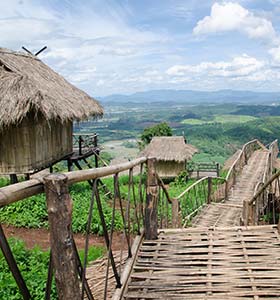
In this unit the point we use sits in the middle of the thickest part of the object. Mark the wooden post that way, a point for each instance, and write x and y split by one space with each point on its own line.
209 190
234 175
70 165
218 169
96 151
59 206
176 221
246 213
80 145
226 190
13 178
151 224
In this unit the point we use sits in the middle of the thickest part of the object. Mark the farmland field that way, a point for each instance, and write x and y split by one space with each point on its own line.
217 130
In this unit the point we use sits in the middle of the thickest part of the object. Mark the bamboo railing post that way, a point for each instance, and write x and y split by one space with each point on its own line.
209 190
226 190
80 144
234 175
218 169
246 213
64 261
176 221
151 223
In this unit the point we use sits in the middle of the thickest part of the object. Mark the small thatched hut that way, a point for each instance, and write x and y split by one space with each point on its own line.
37 110
171 153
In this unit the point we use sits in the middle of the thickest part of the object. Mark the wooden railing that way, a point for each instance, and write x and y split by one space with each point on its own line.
188 203
265 191
130 205
83 142
240 162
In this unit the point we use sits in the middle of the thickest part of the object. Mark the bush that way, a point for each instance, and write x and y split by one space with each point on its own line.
33 265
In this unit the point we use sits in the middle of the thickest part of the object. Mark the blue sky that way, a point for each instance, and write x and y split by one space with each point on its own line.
124 46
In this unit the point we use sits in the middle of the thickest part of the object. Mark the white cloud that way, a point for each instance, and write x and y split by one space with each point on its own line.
239 66
275 53
229 16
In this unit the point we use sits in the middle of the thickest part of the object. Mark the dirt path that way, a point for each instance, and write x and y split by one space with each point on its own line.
40 237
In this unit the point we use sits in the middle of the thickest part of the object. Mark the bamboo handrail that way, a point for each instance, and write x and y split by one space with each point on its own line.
277 174
196 183
240 155
268 166
191 186
22 190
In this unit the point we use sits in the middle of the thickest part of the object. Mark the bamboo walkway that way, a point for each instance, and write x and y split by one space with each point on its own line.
208 263
216 259
229 213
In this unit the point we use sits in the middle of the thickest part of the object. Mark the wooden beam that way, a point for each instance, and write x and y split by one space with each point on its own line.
22 190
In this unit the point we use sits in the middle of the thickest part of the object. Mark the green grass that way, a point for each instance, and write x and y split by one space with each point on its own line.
32 212
33 265
195 122
220 119
233 118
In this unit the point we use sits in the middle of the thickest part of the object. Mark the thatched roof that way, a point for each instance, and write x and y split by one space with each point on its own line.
169 148
27 84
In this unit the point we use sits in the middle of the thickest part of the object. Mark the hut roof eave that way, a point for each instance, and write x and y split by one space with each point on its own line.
169 149
26 84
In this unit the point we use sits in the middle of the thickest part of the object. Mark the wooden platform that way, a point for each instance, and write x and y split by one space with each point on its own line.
208 263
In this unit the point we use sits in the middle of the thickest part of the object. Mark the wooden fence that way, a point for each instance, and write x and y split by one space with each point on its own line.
145 204
211 189
266 189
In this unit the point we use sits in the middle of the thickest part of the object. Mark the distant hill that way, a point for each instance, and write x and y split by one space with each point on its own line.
194 97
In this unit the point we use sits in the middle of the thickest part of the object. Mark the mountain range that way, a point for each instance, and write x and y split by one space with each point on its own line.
193 97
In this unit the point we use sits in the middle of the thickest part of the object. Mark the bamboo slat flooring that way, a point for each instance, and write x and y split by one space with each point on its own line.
229 212
208 263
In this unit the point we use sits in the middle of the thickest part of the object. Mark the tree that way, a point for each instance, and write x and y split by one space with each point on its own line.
162 129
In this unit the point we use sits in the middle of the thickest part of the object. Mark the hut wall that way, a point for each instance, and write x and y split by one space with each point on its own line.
168 169
33 144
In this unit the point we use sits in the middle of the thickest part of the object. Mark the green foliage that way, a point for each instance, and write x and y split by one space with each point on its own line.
162 129
4 181
33 265
107 157
32 212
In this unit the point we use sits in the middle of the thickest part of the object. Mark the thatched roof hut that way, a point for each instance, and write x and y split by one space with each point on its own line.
171 153
37 109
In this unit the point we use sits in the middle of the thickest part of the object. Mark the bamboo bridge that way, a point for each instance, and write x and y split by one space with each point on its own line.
207 243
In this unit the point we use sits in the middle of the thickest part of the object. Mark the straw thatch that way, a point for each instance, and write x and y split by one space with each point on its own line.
169 148
27 84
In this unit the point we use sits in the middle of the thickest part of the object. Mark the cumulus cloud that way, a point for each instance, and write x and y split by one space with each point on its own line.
275 53
243 65
229 16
